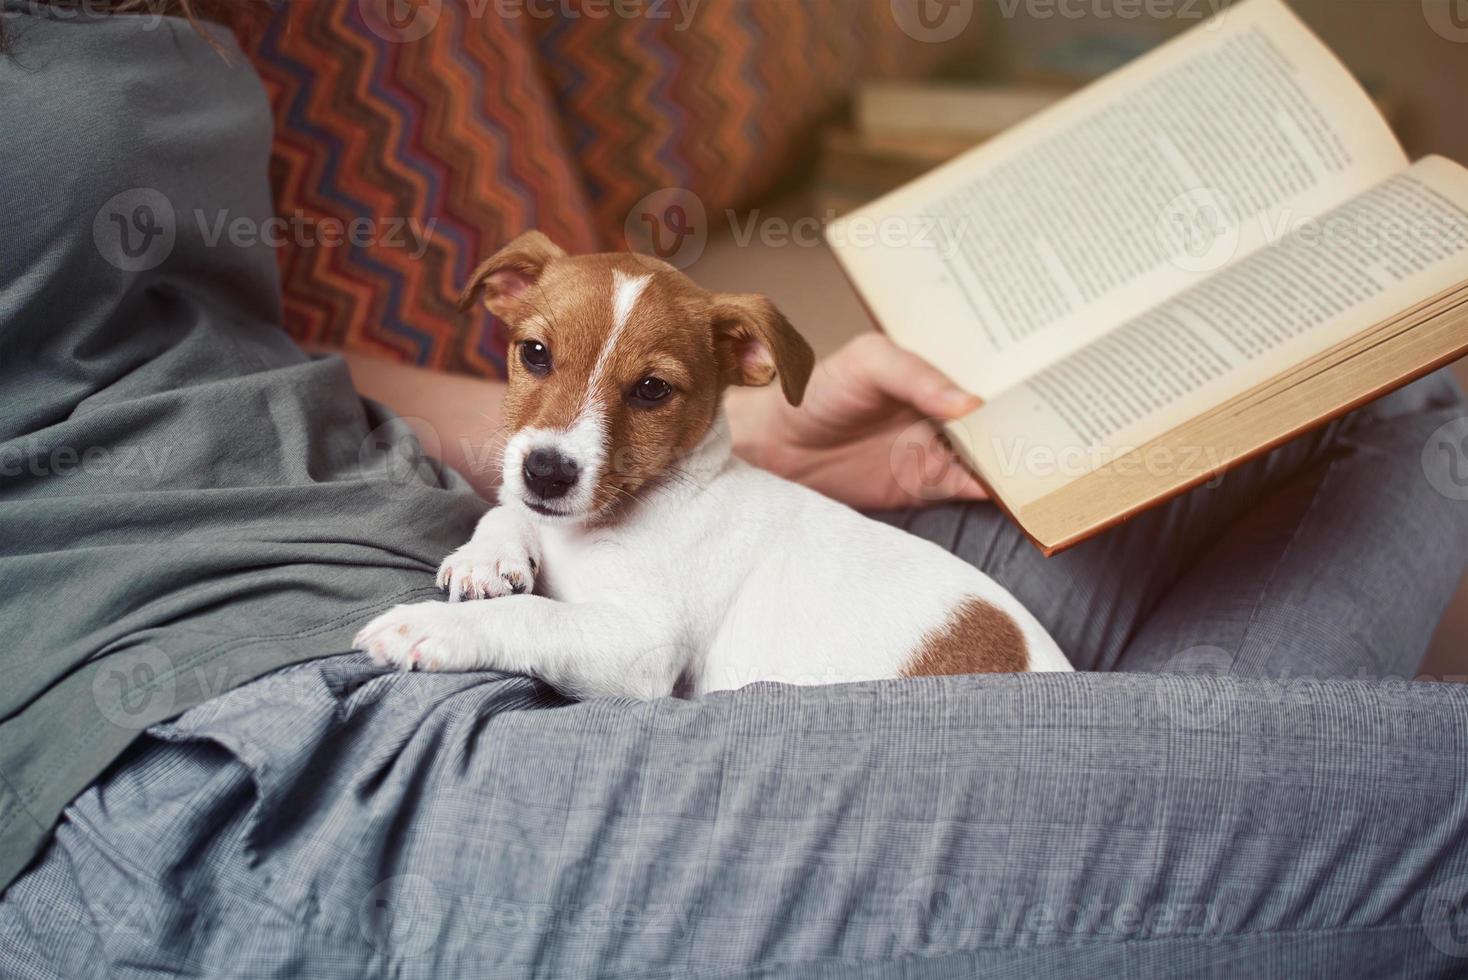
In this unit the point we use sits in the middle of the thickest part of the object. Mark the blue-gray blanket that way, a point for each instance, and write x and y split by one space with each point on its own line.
333 821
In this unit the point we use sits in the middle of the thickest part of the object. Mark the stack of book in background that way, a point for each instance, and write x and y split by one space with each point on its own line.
899 132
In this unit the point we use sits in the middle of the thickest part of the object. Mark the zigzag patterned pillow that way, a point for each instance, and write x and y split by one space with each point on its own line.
720 97
415 136
411 141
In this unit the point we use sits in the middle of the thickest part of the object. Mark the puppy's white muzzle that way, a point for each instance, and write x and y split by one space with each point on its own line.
554 473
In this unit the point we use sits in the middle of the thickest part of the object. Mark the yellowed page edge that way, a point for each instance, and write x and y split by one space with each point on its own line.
1125 488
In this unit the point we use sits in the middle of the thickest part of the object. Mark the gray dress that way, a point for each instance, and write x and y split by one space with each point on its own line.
189 504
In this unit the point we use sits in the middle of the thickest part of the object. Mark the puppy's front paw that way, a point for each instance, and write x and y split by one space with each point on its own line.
419 636
488 570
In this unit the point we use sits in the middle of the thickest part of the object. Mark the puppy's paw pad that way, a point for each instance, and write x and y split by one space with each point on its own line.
409 638
486 572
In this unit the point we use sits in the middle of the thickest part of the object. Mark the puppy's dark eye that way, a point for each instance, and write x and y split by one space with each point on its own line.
536 357
650 391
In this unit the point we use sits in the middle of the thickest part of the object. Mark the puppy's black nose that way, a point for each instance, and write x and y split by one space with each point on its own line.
549 474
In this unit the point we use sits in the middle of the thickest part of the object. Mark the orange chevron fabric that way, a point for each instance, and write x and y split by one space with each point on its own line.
446 144
721 102
413 137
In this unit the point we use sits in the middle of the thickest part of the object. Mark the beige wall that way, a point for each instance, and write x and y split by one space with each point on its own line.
1389 42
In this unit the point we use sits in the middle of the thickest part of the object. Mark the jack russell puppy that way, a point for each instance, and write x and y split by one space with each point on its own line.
633 555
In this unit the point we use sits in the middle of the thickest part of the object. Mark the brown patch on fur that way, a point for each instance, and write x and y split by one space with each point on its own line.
697 341
977 639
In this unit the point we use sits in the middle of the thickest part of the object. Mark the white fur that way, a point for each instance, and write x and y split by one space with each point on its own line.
727 576
585 442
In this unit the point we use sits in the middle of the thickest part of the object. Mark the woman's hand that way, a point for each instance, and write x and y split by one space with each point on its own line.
863 434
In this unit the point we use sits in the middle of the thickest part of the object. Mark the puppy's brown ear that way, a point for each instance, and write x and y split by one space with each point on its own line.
505 277
755 342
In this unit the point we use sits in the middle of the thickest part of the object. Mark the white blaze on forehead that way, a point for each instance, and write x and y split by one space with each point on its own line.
585 439
626 290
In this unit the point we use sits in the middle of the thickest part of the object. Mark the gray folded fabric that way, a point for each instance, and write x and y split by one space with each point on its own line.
186 499
334 821
187 502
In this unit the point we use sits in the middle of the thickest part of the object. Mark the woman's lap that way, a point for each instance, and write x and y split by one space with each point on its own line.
1332 556
333 820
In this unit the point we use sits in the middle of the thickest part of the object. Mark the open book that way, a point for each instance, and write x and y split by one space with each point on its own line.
1176 269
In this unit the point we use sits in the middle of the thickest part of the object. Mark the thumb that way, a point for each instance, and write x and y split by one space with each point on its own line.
971 488
904 377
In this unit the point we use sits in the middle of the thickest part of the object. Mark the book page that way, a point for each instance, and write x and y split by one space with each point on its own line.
1061 229
1347 376
1364 262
